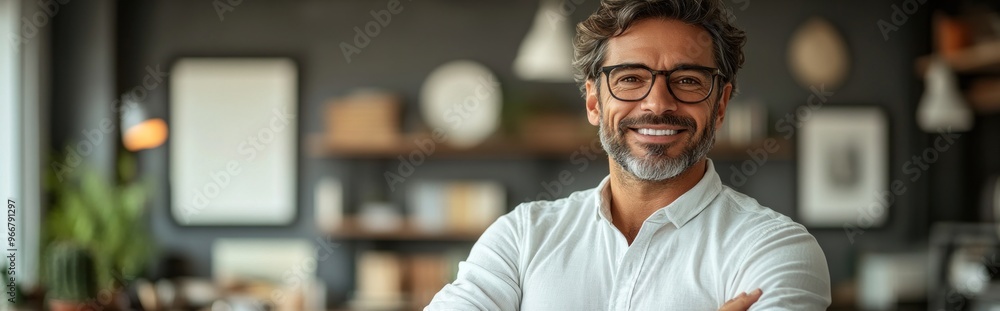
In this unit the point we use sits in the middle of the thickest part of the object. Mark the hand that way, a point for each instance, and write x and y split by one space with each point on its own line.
742 302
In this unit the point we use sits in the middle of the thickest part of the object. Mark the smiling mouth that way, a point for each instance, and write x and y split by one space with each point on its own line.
657 132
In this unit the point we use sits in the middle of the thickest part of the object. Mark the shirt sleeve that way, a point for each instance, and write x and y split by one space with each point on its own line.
489 279
787 263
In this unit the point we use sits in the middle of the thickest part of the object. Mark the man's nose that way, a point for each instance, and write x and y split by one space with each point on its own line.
659 100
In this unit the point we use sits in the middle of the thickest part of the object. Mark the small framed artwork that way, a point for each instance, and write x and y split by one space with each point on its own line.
843 167
233 141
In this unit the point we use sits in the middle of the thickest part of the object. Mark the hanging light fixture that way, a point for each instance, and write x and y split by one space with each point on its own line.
942 107
546 53
138 130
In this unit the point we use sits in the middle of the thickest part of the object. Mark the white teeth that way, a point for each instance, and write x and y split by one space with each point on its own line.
657 132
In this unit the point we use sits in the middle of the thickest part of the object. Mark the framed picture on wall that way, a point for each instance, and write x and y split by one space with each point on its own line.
843 167
233 141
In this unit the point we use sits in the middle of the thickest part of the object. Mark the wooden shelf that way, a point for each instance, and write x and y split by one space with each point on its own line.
979 58
984 95
499 148
352 230
727 152
495 147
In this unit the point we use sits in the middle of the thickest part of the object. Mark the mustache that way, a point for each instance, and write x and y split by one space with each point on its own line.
650 119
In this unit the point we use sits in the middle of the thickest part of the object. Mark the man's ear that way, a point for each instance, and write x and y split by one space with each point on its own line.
593 107
727 91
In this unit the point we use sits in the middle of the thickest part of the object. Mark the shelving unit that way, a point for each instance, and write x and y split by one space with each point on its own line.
351 230
408 243
495 148
979 58
499 148
726 152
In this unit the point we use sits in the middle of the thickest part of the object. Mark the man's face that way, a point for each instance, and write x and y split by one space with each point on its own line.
658 137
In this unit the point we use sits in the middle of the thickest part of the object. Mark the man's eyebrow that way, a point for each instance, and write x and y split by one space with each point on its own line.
677 66
688 65
632 64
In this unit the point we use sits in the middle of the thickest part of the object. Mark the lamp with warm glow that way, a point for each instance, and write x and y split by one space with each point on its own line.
138 131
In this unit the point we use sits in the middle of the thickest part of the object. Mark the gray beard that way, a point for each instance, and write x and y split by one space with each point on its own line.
655 166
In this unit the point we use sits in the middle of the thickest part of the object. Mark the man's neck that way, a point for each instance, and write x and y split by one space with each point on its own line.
633 200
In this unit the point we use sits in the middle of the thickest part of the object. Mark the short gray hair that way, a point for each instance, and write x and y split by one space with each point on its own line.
615 16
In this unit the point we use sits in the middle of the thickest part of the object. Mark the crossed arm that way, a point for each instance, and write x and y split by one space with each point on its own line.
741 302
490 280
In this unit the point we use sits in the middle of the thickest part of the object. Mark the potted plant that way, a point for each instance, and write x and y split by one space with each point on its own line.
71 278
104 217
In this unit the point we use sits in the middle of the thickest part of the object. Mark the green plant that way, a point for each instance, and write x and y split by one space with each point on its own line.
102 214
72 276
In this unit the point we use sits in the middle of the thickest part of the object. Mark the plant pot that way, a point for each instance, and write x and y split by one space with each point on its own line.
117 301
62 305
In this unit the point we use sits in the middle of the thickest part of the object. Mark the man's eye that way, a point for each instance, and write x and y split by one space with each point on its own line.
629 79
688 80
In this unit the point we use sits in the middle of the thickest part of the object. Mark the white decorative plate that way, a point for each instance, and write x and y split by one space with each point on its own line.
462 98
818 55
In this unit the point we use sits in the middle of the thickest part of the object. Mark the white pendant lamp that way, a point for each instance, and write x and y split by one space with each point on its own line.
546 54
942 108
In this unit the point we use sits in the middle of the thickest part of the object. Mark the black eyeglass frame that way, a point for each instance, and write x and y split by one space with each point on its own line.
715 72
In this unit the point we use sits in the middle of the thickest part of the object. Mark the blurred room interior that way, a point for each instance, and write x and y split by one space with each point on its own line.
346 155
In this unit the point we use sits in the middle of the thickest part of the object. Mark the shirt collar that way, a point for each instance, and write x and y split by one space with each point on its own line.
679 212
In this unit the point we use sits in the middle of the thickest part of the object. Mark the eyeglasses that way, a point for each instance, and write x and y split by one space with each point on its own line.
688 84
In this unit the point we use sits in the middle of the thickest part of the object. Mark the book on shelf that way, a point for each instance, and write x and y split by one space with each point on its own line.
464 206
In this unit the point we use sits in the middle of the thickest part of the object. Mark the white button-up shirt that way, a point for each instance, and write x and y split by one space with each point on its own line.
708 246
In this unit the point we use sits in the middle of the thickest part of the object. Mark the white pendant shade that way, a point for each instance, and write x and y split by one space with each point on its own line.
942 108
546 54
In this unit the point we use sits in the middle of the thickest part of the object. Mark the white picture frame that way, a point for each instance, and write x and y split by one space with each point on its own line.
233 141
843 167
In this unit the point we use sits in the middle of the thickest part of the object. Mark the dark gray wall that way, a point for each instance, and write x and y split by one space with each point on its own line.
881 74
83 83
428 33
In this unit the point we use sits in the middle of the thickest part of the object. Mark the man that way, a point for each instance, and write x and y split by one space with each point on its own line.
661 232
